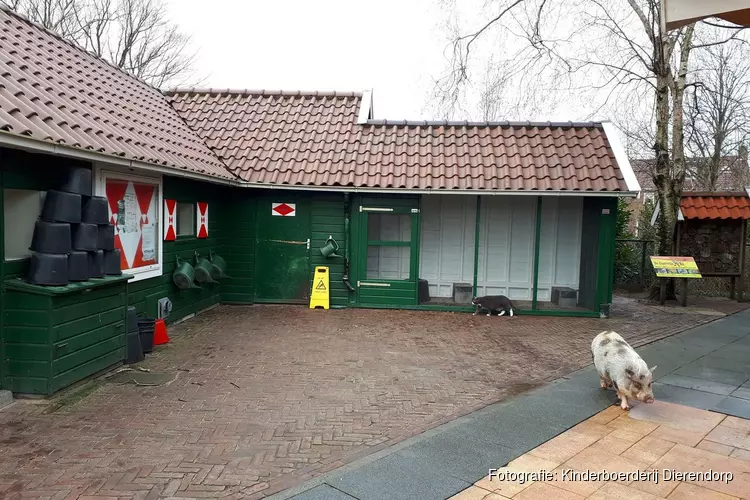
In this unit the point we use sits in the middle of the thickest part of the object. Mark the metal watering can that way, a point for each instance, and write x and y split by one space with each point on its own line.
219 266
330 248
203 270
184 275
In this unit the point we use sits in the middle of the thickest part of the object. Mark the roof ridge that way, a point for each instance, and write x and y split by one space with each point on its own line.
262 92
486 123
6 8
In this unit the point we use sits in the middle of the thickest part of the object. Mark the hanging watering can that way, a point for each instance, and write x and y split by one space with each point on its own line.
203 270
219 266
184 275
330 248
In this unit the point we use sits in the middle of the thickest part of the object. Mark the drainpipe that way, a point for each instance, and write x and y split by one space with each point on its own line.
347 239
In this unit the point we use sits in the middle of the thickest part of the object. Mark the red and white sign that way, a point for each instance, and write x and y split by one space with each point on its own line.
284 209
202 219
133 209
170 220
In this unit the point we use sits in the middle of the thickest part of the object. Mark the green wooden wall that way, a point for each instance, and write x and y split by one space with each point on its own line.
328 220
238 216
144 294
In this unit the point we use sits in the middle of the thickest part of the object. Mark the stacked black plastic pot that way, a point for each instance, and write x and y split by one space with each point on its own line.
133 346
73 239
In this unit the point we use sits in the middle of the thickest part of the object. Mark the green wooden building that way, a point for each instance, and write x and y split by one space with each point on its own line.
424 215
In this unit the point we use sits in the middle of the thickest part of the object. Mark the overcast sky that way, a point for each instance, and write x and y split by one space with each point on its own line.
392 46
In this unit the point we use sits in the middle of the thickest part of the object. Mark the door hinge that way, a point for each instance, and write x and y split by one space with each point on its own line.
415 210
308 243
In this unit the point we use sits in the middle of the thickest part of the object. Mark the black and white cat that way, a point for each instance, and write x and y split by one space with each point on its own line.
493 303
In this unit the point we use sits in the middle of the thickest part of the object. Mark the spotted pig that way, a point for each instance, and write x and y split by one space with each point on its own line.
619 366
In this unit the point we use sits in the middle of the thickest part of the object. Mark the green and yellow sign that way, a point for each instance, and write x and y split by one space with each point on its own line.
675 267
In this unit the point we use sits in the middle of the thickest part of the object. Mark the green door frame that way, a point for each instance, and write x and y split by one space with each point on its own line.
405 292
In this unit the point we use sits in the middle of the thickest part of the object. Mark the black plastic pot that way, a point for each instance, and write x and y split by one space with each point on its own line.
48 269
106 237
133 348
51 237
61 207
78 266
85 236
146 332
96 264
112 262
78 181
95 211
132 319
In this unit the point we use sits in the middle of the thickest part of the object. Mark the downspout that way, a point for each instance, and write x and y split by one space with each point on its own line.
347 239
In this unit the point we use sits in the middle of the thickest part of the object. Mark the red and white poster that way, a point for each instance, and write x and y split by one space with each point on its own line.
133 209
170 220
202 219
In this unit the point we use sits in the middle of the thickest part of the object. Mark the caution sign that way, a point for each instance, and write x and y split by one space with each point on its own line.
319 298
675 267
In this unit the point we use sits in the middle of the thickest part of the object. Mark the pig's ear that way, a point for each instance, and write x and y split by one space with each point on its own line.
653 368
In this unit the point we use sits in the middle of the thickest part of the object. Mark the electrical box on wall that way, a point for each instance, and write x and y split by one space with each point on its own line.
164 307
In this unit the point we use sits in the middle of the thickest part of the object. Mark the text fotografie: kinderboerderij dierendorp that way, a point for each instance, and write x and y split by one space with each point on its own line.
655 476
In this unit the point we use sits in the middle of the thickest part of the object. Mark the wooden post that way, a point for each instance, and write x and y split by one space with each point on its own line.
683 297
733 281
662 291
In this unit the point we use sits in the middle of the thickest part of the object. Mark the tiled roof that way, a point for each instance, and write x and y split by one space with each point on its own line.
733 174
54 91
715 206
313 139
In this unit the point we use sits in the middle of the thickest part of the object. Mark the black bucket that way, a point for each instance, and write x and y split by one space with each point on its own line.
106 237
85 236
61 207
51 237
95 211
48 269
146 332
78 181
112 262
78 266
133 348
96 264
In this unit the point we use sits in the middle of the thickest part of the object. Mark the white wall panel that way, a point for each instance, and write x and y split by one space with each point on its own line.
506 246
447 246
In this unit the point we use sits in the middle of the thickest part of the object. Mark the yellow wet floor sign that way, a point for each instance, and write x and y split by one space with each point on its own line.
320 295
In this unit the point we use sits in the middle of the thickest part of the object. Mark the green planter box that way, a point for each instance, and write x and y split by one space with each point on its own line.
57 336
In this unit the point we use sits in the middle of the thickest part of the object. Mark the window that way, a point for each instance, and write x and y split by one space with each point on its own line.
135 205
388 246
21 210
185 219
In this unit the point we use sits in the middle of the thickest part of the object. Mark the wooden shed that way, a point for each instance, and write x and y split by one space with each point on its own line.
712 228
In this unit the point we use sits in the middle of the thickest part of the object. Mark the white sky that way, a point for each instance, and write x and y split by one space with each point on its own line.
394 47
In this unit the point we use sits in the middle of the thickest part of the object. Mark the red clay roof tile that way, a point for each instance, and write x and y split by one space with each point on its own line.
715 206
313 139
54 91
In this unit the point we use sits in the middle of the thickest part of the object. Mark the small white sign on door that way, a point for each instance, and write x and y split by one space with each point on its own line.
284 209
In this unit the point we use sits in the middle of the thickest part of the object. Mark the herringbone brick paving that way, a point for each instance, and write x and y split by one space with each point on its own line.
266 397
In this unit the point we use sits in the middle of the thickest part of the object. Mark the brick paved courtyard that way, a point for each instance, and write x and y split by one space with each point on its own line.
258 399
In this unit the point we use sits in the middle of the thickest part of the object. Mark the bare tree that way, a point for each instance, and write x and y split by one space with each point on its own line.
718 116
135 35
615 54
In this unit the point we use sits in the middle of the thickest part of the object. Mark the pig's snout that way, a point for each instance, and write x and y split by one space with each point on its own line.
650 399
